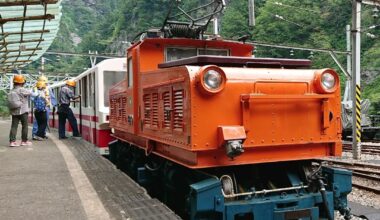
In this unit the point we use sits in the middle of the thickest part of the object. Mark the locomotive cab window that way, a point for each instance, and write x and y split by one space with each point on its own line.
176 53
213 52
130 73
180 53
110 79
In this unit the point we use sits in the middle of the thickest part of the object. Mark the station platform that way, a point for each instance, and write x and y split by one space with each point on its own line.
67 179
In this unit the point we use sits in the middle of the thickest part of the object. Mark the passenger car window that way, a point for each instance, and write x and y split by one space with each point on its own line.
84 92
110 79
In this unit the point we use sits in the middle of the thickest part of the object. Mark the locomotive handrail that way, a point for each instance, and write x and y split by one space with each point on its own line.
265 191
252 97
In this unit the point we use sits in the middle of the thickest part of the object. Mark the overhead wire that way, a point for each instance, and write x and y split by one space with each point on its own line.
291 6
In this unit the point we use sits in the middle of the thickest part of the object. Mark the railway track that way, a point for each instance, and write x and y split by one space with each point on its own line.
366 176
367 147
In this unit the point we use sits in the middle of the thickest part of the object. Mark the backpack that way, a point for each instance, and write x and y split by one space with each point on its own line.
14 100
39 104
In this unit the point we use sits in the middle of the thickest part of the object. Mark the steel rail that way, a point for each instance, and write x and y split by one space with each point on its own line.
366 176
368 188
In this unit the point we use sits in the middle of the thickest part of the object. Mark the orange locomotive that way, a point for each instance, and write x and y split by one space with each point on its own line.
231 136
210 111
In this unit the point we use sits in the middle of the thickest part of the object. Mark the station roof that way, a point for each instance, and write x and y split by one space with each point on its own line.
27 29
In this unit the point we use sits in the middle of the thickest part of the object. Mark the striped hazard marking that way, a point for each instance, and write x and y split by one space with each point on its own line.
358 109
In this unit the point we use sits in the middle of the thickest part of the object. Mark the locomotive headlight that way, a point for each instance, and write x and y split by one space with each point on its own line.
211 79
326 81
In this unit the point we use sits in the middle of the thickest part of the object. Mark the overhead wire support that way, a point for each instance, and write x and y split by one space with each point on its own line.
291 6
82 54
331 52
324 50
283 19
371 2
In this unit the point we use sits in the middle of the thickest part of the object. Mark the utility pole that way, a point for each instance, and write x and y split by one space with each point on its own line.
356 90
251 12
349 57
216 26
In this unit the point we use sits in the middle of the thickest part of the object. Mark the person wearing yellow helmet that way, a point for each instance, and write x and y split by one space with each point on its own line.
51 102
66 96
18 106
43 79
40 101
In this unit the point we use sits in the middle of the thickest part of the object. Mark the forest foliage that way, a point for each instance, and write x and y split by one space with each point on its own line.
107 26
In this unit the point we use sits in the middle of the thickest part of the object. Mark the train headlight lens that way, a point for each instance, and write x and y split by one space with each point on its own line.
212 79
328 81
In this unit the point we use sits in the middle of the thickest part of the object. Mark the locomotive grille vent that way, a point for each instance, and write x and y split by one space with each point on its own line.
123 109
113 109
147 110
167 110
119 109
155 110
151 110
178 109
164 110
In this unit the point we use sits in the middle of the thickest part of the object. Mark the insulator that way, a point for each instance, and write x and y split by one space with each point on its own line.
311 55
375 12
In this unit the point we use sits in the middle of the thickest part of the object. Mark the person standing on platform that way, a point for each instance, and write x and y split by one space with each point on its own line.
41 102
66 95
52 103
18 107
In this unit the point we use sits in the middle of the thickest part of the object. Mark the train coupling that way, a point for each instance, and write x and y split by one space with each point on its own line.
234 148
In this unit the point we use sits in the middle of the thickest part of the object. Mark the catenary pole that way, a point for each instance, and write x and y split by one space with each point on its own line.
356 90
251 13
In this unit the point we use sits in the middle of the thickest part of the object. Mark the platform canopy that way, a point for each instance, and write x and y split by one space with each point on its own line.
27 29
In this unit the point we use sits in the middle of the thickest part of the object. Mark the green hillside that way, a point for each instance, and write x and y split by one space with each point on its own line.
105 26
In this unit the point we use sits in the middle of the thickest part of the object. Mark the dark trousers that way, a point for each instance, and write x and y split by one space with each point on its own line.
65 112
41 122
24 123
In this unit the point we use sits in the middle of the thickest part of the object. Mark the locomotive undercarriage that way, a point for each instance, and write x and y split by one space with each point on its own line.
286 190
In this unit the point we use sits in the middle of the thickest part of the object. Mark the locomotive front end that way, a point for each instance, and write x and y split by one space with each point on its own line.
260 115
277 119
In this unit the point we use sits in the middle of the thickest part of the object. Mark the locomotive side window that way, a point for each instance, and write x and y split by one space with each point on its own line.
130 73
180 53
176 53
213 52
110 79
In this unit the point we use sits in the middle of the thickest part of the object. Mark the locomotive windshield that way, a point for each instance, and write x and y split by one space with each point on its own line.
176 53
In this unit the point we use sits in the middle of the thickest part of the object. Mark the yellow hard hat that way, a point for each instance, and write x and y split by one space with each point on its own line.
19 79
71 82
41 84
43 78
